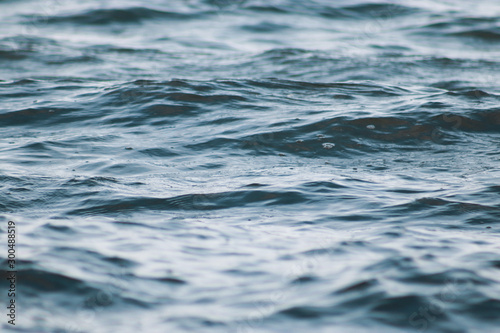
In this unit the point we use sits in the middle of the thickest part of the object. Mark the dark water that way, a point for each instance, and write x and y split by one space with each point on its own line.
252 166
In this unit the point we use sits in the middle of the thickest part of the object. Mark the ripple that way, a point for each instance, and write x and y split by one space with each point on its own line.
115 15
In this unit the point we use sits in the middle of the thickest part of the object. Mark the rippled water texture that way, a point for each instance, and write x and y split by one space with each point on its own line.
252 166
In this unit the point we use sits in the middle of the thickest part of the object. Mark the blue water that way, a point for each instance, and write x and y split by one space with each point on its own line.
252 166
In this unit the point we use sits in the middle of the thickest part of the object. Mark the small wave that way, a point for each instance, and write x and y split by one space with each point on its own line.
434 207
361 11
209 201
114 15
13 55
37 116
45 281
491 35
90 181
479 28
379 10
265 27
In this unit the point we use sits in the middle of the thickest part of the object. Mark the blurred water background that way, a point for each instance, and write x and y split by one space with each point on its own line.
252 166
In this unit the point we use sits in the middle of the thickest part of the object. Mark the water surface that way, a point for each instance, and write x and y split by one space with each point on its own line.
252 166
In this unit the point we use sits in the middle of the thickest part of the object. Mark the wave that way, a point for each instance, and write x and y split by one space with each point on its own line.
478 28
131 15
208 201
360 11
